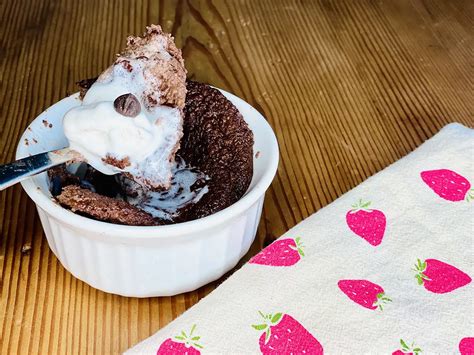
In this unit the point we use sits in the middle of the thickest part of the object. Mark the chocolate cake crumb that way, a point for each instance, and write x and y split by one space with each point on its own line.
27 143
45 123
151 101
119 163
84 85
126 65
257 155
103 208
170 71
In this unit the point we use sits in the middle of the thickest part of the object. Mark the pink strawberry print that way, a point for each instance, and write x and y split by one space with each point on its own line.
407 350
285 335
448 185
182 344
439 277
282 252
466 346
365 293
367 223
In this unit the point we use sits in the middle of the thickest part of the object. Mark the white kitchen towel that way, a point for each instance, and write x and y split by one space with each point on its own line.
387 268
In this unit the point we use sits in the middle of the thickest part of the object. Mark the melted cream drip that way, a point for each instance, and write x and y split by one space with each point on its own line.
165 204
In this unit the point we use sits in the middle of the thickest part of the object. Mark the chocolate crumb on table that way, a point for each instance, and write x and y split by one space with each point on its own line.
26 248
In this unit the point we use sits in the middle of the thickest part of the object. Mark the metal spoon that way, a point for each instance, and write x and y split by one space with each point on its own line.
22 169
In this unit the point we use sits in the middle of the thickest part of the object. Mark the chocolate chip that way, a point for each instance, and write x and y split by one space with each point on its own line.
127 105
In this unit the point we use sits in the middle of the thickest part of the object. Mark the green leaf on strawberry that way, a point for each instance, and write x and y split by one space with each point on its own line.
410 348
360 205
470 195
299 246
420 267
267 335
381 301
269 320
276 318
189 340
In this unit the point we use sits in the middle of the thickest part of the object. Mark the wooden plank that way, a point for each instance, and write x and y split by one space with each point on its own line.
348 86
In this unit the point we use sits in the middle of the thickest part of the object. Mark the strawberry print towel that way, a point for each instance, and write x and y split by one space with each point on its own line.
385 269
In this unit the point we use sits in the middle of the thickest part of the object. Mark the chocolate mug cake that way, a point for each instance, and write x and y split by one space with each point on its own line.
200 162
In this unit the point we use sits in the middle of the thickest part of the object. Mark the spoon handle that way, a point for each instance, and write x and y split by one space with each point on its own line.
22 169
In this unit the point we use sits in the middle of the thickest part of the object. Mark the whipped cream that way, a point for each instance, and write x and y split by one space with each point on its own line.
142 144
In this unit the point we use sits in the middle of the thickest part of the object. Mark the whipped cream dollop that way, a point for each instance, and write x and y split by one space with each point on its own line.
130 120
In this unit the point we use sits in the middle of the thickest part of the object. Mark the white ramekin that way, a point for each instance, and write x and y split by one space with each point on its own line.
149 261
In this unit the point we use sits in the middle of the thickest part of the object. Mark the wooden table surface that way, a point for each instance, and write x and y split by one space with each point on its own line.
348 86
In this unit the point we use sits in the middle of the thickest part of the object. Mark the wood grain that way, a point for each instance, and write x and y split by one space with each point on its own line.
348 86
